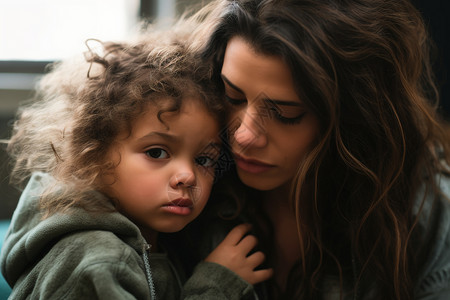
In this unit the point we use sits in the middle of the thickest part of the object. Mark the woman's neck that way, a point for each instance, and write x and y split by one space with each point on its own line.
286 240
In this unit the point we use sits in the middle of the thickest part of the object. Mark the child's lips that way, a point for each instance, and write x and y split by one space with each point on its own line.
180 206
181 202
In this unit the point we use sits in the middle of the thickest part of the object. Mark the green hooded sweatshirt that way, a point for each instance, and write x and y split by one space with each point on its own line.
81 255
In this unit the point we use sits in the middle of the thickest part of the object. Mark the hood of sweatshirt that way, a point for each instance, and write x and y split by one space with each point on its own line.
29 235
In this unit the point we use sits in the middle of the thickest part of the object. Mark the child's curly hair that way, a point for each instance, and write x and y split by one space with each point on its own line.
82 104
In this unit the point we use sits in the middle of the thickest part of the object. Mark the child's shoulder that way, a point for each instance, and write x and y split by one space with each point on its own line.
81 263
95 247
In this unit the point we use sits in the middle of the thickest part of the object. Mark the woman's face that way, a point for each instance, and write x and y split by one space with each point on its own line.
271 130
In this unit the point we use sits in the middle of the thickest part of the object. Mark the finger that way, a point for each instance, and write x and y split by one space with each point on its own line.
256 259
261 275
247 243
236 234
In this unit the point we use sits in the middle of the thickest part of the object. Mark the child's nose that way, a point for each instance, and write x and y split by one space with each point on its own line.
184 178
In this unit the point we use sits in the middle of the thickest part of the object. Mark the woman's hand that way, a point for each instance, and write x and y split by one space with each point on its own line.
233 251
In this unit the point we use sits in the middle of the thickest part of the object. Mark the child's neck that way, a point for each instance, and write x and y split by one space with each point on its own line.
151 236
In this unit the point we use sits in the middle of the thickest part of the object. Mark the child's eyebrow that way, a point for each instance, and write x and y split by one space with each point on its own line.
166 136
174 139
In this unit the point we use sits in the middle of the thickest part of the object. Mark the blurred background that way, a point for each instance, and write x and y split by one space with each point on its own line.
34 33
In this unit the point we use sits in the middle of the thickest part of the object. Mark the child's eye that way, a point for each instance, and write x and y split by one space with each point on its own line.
205 161
157 153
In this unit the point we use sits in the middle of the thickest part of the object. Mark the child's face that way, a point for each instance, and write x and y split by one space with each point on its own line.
165 173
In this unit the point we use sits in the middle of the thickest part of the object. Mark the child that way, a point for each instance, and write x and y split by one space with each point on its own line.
115 158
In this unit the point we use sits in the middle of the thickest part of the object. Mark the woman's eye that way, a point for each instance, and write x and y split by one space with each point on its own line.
288 120
205 161
291 115
157 153
235 101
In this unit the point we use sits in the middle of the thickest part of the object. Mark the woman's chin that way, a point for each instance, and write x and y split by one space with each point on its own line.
260 183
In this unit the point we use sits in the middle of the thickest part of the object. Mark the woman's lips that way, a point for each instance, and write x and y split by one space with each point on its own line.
180 206
251 165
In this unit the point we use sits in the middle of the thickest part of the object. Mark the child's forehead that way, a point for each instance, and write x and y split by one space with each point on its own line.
176 104
189 115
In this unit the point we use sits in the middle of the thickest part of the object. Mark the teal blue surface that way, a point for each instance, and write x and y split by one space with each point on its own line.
5 290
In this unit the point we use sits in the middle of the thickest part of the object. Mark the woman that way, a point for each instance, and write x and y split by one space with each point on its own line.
337 139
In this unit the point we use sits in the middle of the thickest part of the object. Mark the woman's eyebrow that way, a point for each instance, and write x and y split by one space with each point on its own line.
227 81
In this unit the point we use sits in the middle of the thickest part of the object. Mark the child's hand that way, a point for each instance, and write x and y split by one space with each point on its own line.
232 253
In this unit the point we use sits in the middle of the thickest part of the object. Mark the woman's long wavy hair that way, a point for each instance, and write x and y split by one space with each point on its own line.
363 68
84 103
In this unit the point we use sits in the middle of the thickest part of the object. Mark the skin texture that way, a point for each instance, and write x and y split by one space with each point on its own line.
158 165
271 129
363 70
233 253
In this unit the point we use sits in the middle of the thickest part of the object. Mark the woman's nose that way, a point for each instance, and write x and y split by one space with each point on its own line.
251 130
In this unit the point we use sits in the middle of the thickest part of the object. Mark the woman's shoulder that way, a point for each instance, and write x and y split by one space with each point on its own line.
434 231
432 202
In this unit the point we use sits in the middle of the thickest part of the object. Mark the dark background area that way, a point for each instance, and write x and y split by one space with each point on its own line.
436 14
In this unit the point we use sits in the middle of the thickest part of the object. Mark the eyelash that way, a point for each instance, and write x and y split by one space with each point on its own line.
212 160
234 101
147 152
274 111
285 120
